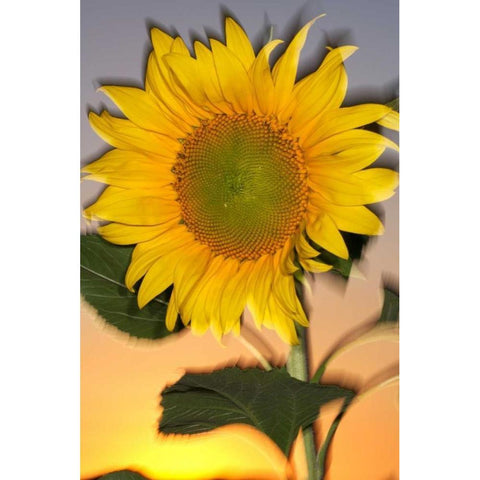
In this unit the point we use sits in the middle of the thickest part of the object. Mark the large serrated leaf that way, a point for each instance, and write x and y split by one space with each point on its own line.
103 266
272 401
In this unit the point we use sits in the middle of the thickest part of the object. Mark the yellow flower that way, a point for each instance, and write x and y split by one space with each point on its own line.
226 173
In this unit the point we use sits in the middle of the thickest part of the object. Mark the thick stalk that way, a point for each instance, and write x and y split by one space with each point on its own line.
297 367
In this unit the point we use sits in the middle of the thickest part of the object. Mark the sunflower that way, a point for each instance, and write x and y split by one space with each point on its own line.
227 173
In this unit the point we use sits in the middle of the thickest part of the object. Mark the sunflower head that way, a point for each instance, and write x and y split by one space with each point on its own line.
242 185
228 175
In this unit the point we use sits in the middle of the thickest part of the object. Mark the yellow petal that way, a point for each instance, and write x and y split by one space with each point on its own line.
172 312
210 84
133 207
285 69
232 77
190 311
189 272
185 70
161 41
207 306
143 257
391 120
262 81
359 188
333 98
356 219
178 46
350 160
187 106
147 253
322 77
284 292
260 287
142 109
342 119
212 301
128 169
314 266
234 297
237 41
124 134
285 296
323 231
283 258
322 90
158 83
276 319
231 452
282 306
304 249
348 140
158 278
154 82
132 234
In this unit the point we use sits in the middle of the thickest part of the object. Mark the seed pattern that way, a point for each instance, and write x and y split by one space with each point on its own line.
242 185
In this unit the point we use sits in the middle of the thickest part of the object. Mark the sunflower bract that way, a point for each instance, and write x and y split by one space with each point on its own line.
225 168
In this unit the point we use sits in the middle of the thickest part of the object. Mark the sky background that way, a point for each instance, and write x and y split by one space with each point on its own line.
121 378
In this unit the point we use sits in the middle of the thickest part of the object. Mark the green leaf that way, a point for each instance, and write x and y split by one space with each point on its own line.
272 401
103 266
355 245
394 104
340 265
391 307
123 475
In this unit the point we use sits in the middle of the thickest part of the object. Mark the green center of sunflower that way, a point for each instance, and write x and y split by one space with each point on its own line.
241 184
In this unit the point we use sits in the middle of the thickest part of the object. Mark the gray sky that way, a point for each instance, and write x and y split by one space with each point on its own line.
115 42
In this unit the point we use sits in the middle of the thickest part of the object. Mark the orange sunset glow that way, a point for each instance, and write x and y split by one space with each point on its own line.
122 378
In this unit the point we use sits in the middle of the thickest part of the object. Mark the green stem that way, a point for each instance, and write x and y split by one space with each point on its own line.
297 367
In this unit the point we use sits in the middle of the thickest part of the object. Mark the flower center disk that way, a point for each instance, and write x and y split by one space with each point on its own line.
241 184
